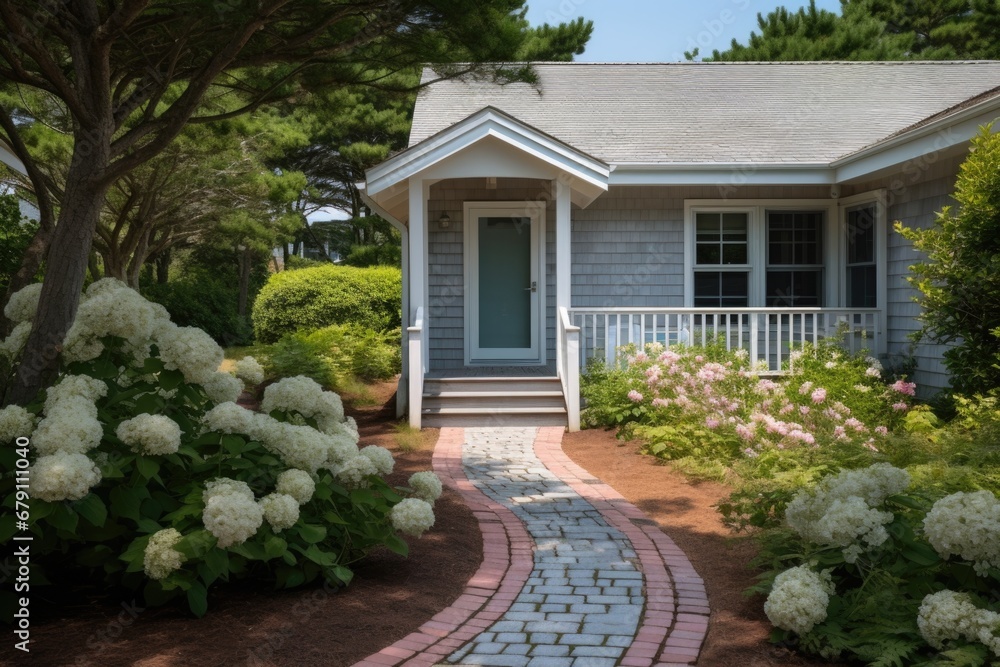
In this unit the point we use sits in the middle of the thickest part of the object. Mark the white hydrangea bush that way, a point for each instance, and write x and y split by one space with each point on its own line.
799 599
142 446
843 511
966 525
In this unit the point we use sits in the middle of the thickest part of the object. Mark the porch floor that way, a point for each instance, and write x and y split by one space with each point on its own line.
546 371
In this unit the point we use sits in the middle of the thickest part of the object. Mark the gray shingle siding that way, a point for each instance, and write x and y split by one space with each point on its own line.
915 194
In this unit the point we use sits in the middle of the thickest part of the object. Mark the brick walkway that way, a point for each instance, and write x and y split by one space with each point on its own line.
573 575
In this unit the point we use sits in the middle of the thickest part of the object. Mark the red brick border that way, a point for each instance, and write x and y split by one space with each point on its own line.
507 562
676 616
675 622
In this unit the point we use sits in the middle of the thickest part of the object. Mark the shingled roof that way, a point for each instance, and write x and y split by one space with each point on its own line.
721 113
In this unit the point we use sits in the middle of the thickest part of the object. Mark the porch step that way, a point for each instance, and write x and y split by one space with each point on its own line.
493 401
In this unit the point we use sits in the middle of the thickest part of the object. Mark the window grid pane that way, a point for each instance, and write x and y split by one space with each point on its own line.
794 274
862 274
721 238
721 289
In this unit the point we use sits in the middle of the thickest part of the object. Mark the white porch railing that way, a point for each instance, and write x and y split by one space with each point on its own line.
568 366
417 364
768 334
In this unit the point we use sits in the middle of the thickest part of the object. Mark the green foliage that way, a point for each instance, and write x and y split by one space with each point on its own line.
337 355
203 300
318 297
15 235
872 30
375 255
295 262
959 282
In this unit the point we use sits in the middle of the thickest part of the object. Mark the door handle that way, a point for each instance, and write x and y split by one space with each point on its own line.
533 288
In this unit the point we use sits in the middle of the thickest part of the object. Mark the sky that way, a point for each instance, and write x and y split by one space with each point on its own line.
660 30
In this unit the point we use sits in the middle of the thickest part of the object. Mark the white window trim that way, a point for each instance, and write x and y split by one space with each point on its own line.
834 242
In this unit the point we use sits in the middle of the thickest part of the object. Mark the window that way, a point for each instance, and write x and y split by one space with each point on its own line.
722 273
862 272
794 259
805 253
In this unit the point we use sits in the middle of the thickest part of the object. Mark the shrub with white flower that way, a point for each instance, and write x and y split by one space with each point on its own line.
214 482
281 511
150 434
947 616
232 518
799 599
298 484
63 475
966 525
23 304
841 511
426 486
413 516
160 558
250 371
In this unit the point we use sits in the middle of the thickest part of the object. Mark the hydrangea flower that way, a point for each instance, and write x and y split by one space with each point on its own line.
298 484
280 510
12 345
189 350
232 518
223 486
150 434
968 525
412 516
223 388
426 486
380 457
63 476
74 386
23 304
250 371
71 426
798 599
120 312
15 422
947 615
354 471
228 418
160 558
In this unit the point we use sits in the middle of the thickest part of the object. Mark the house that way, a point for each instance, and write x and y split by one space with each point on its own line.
547 223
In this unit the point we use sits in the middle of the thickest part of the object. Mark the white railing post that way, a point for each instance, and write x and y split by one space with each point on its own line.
569 367
416 367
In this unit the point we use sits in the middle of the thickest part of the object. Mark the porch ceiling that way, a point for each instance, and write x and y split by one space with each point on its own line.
487 144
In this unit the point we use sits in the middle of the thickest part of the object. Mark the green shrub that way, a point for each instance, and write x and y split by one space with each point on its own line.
336 355
375 255
318 297
295 262
960 279
206 302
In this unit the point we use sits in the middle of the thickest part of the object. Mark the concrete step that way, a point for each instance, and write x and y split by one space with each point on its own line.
438 420
495 400
433 386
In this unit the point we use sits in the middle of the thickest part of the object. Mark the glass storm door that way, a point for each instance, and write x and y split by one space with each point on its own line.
502 254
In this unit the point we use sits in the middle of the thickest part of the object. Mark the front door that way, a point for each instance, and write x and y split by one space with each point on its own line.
503 295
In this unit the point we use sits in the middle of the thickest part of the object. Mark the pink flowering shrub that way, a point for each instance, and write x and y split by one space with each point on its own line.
709 403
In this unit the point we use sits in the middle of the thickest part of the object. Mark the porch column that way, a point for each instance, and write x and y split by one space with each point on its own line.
563 243
418 356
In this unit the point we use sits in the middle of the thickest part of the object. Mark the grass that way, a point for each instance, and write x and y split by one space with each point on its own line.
408 439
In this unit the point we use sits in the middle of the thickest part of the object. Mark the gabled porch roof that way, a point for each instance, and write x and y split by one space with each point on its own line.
489 143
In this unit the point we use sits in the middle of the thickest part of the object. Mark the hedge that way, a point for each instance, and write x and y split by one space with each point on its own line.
318 297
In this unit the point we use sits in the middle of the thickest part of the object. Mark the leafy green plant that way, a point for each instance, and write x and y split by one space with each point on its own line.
336 355
318 297
959 282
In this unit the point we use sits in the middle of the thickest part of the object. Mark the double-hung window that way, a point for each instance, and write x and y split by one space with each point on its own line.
722 259
784 254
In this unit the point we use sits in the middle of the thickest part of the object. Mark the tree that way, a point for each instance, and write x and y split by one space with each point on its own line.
873 30
959 283
351 129
15 235
133 73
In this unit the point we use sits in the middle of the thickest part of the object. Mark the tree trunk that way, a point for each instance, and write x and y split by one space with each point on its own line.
31 261
246 263
284 255
163 267
66 266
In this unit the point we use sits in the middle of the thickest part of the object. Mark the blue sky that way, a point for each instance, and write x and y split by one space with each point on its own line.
660 30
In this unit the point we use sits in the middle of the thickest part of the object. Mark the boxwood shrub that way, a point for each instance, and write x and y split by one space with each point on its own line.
318 297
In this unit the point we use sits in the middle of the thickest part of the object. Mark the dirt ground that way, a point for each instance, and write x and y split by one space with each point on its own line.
391 596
